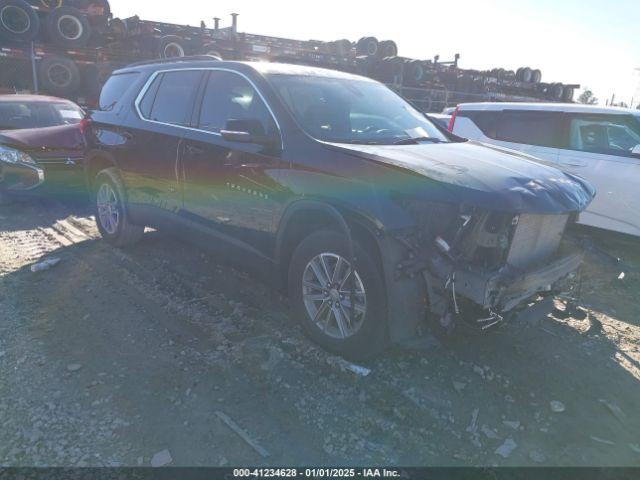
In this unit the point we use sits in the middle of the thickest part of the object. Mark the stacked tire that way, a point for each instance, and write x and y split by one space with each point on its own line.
18 21
59 76
390 70
65 26
367 47
340 47
529 75
387 48
68 27
414 73
171 46
371 47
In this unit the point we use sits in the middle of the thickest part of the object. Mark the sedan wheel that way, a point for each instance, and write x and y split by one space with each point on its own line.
326 289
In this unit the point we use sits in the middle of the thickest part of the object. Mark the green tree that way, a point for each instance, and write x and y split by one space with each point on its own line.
587 97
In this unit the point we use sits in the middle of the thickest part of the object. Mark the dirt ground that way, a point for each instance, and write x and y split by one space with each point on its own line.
113 356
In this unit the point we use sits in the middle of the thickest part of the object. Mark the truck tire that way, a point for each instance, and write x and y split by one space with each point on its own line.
212 50
94 76
536 76
341 47
413 73
556 92
322 305
367 46
567 94
119 28
171 46
112 216
18 21
59 76
68 27
387 48
527 74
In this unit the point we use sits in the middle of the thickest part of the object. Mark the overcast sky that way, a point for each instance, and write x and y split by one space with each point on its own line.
595 43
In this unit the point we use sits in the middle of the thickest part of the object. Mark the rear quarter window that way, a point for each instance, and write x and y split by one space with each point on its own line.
115 89
524 127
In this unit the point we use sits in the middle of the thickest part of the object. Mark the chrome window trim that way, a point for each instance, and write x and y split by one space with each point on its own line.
155 74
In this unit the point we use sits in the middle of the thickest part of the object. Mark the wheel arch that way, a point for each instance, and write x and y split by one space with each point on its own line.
96 161
306 216
405 297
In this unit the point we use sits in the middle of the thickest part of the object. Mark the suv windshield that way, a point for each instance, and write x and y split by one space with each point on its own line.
19 115
353 111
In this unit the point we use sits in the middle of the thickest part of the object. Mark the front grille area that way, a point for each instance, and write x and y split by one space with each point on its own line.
536 238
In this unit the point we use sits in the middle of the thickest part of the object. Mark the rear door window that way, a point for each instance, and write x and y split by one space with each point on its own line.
170 100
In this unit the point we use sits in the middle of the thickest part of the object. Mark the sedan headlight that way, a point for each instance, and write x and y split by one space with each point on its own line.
11 155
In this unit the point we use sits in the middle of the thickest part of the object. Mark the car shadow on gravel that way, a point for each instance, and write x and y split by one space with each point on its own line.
40 212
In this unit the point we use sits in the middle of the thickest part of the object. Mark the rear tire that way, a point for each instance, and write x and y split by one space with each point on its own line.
112 216
18 21
355 337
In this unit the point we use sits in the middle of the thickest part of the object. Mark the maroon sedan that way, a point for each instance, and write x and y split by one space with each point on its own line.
41 145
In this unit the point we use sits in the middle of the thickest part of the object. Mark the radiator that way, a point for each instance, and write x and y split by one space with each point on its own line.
536 238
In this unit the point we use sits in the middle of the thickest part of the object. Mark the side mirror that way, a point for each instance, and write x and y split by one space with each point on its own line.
635 151
247 131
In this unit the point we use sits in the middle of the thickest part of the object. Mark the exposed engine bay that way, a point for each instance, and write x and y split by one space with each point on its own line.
482 265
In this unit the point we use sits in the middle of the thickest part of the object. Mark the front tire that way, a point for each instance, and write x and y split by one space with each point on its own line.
111 212
320 276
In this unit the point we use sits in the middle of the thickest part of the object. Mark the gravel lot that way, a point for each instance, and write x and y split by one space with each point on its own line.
162 352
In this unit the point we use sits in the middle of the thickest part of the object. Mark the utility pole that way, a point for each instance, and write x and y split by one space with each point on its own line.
637 93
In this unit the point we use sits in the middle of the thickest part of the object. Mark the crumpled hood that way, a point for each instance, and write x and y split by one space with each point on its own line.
484 176
49 139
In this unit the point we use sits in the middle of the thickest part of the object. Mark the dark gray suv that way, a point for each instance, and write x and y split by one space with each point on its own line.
376 220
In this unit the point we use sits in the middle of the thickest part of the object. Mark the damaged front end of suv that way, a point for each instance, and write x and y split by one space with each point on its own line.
478 236
483 264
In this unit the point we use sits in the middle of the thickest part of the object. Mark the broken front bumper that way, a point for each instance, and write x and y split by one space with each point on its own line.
505 289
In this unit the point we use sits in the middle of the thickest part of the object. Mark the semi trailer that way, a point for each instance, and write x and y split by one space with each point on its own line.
68 48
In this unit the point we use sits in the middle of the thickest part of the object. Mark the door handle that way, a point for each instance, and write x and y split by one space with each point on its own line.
127 135
194 150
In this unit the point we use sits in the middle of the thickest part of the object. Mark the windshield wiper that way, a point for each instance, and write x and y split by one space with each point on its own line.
409 141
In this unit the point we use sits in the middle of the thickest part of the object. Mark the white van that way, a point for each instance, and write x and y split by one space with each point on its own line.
600 144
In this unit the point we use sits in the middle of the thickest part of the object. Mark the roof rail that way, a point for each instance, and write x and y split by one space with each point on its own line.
191 58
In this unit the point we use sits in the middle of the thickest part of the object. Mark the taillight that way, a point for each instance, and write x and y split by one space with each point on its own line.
84 124
452 122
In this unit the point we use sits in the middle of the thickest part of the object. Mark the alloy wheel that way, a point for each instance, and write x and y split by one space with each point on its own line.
108 208
326 293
